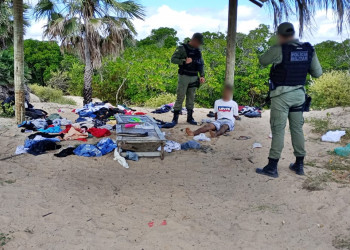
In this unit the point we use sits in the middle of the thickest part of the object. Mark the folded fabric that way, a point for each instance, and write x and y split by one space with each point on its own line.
252 114
99 132
40 147
190 145
39 123
74 134
333 136
21 150
52 130
201 137
106 145
87 150
131 156
170 146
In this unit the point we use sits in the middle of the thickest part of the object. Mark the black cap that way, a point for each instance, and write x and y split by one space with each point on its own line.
199 37
286 29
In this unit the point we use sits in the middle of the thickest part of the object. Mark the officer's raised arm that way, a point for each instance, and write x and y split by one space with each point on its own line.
179 56
271 56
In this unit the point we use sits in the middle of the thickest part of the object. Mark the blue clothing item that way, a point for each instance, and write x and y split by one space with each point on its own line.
106 145
87 114
131 156
53 130
190 145
87 150
28 142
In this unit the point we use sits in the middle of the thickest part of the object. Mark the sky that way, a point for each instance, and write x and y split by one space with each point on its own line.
190 16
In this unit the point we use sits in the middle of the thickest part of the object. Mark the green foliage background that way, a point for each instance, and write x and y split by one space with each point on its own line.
144 75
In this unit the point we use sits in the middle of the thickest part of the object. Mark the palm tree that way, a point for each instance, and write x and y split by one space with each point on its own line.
19 59
92 28
304 10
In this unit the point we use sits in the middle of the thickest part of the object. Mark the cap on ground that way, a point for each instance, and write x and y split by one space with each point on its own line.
199 37
286 29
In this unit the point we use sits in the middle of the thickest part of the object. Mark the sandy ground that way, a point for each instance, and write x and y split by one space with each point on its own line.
210 199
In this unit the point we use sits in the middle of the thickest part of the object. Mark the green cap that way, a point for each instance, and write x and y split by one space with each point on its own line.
286 29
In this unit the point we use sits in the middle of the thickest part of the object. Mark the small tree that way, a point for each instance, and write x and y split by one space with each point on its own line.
93 28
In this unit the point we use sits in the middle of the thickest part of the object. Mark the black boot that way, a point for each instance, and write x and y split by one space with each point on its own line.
190 119
176 117
298 166
270 169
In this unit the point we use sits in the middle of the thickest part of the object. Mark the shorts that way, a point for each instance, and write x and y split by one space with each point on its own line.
219 123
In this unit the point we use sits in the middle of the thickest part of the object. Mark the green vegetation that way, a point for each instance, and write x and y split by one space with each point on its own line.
7 111
341 242
4 239
331 90
142 74
48 94
318 182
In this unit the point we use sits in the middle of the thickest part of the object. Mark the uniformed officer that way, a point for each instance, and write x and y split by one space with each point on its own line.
291 61
191 66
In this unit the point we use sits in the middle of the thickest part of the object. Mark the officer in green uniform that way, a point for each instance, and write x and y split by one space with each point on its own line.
191 65
291 61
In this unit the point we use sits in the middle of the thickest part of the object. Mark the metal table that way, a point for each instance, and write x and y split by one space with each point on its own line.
143 146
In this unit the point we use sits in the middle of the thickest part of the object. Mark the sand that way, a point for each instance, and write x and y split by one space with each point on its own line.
210 199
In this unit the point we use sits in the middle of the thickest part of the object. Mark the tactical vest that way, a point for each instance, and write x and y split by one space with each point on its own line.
295 65
196 66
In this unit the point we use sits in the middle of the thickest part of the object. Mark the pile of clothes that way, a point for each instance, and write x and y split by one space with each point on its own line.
250 112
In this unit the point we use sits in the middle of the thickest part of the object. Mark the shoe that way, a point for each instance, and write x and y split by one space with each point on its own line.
176 116
190 119
270 169
298 166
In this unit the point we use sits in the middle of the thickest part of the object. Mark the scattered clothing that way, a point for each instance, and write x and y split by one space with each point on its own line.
39 123
87 150
52 130
201 137
190 145
343 151
120 159
21 150
61 122
211 114
257 145
74 134
162 124
99 132
40 147
131 156
171 146
54 117
253 114
106 145
163 109
65 152
333 136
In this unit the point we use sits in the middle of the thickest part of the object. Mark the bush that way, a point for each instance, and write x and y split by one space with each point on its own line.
7 110
331 90
160 100
48 94
59 80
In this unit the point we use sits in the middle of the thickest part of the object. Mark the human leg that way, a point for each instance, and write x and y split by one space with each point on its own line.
204 129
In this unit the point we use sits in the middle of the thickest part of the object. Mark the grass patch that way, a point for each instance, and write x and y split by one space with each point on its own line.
311 163
322 126
2 182
341 242
338 163
4 239
48 94
317 183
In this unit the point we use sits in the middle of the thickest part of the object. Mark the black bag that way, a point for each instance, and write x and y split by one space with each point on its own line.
195 84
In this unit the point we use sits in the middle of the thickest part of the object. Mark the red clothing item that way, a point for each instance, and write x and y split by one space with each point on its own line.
99 132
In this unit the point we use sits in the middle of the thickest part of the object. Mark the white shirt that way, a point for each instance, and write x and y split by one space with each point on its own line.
226 110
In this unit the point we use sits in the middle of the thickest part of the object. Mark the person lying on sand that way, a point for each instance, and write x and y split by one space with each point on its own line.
226 112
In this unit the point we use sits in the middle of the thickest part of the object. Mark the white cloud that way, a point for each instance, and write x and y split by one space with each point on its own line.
187 23
200 20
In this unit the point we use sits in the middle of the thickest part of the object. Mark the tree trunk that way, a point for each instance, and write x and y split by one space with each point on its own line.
19 60
231 43
88 69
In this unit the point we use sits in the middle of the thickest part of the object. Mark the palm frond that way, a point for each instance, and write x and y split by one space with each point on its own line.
306 9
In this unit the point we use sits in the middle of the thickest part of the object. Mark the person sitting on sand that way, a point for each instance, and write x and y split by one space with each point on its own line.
226 112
